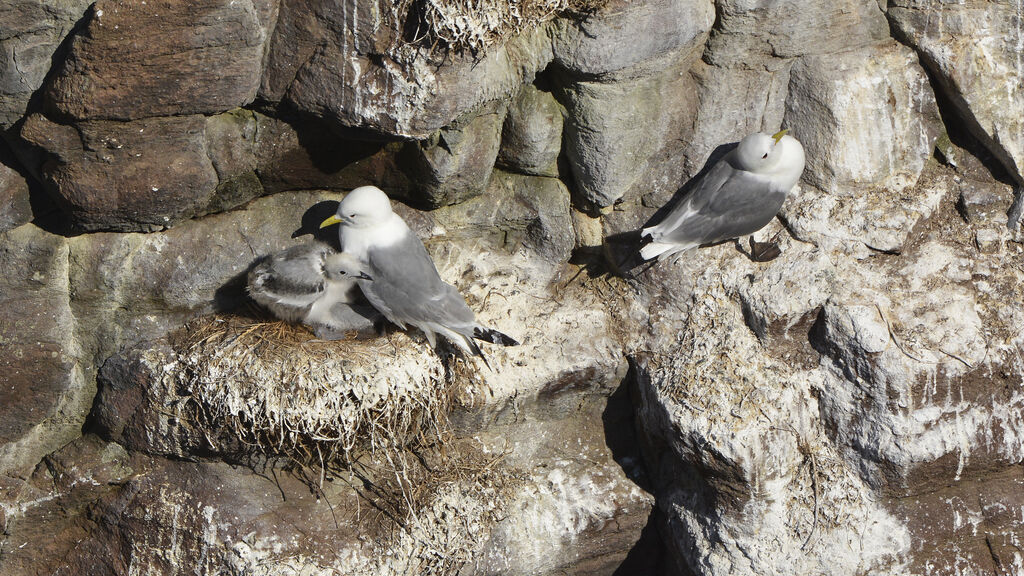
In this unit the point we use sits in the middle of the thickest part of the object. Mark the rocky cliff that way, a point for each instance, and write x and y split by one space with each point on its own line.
854 406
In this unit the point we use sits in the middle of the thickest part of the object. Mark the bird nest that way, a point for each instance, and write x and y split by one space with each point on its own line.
475 25
270 386
372 413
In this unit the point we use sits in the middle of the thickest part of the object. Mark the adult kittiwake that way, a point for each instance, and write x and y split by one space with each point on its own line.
739 195
405 285
313 284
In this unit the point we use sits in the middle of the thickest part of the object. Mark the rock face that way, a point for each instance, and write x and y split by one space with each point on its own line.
15 204
980 79
32 32
206 59
852 406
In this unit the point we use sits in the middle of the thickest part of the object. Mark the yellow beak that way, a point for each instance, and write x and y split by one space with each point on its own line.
332 220
778 135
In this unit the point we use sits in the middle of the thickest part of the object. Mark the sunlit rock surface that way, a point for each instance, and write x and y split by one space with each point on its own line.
853 406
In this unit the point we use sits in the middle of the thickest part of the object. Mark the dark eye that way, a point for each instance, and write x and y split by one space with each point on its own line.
351 215
765 156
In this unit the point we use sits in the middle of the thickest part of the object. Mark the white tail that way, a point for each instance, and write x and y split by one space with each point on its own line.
659 250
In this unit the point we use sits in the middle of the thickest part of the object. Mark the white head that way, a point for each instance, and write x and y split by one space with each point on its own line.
344 266
779 156
365 206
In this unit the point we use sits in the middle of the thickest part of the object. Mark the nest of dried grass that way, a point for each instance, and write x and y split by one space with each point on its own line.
372 413
273 388
475 25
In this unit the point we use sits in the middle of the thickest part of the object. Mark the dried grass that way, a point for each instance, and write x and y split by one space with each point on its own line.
475 25
372 413
271 387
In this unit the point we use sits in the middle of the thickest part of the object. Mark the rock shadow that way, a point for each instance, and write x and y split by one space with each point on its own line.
648 556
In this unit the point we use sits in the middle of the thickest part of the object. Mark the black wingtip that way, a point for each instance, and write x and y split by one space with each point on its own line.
494 337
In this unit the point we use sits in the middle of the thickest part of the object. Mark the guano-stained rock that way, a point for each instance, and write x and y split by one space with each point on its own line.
981 77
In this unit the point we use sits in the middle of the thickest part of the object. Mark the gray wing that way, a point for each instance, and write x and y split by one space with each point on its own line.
728 203
406 287
293 276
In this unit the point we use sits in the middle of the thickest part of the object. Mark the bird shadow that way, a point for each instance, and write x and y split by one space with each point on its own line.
622 250
311 220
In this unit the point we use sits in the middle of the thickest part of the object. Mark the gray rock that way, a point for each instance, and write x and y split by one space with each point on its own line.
518 212
618 127
15 208
860 126
135 60
455 164
868 136
732 441
46 392
980 79
653 29
983 202
749 34
905 389
31 32
531 137
734 102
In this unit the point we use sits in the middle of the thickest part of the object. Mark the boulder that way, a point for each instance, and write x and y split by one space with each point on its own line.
619 130
519 212
455 163
47 391
862 126
32 32
749 34
868 133
146 174
906 391
354 70
592 46
732 439
133 60
531 137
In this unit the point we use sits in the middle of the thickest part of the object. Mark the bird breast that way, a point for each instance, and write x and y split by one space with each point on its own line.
357 241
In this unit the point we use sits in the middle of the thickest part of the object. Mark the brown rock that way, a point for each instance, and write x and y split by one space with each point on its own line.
975 524
15 208
301 155
161 58
142 175
147 174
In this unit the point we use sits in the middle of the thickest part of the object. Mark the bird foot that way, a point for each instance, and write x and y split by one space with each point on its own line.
765 251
